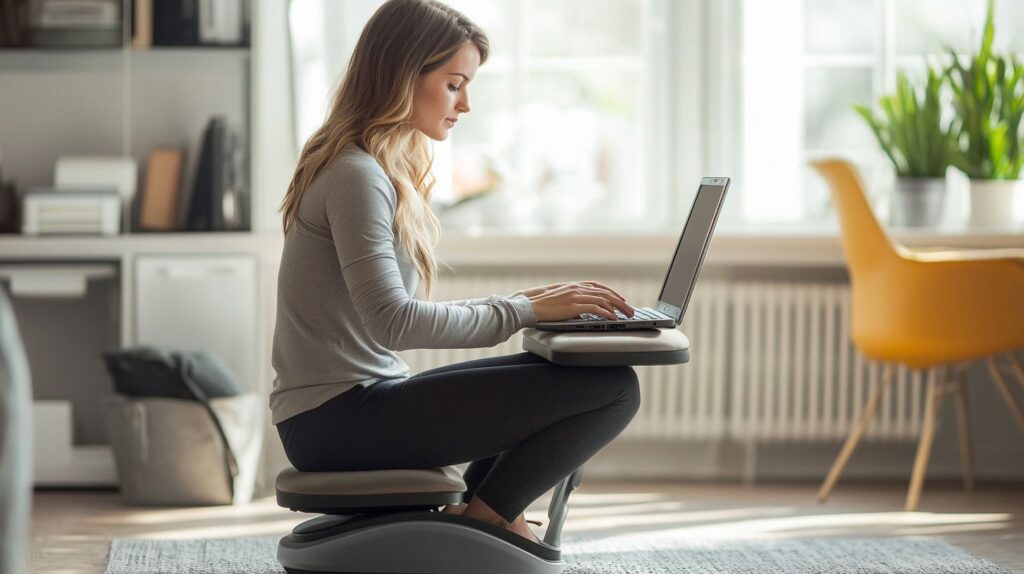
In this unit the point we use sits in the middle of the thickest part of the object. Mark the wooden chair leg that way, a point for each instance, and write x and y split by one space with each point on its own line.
858 431
966 452
1004 389
1018 370
924 445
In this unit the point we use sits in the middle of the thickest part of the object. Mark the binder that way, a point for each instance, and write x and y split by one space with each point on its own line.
14 19
209 177
199 22
220 199
175 23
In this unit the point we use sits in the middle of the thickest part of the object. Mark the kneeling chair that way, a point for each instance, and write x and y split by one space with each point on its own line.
389 521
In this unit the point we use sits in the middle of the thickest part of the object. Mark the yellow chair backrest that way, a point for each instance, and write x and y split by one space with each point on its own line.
919 309
865 243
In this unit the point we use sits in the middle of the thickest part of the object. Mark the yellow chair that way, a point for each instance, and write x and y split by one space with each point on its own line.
924 310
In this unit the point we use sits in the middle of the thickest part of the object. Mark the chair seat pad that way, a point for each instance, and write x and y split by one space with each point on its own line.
369 482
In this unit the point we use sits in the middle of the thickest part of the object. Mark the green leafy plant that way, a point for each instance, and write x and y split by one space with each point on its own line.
910 128
988 96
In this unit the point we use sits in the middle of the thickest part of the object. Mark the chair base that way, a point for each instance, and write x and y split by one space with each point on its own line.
950 382
421 542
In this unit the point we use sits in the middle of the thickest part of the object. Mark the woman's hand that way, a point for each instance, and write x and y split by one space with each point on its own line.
534 291
561 301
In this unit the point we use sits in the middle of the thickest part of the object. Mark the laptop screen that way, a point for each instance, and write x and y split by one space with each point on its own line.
682 274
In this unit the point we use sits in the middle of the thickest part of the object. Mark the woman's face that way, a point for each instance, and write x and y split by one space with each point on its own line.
441 95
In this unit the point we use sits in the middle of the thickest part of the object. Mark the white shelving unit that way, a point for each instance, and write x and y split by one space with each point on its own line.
125 102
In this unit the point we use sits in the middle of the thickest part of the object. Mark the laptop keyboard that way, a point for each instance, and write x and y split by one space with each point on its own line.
639 314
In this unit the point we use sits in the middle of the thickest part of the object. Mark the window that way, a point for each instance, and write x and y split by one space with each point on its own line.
811 59
601 116
568 131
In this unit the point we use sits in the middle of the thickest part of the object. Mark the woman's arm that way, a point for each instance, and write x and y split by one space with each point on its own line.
476 300
360 210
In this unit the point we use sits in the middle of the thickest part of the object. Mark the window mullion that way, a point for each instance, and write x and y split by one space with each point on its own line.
657 143
521 38
688 47
887 65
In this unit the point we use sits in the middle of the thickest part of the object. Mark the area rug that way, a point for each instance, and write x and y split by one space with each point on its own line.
631 553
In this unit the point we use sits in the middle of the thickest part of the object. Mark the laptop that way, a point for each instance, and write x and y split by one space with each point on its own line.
680 279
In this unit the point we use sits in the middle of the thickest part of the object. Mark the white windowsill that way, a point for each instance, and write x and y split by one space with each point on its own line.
760 245
796 246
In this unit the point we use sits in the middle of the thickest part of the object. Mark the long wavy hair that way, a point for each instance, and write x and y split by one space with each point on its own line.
373 107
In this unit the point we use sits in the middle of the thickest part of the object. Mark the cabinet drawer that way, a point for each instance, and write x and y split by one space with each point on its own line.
201 303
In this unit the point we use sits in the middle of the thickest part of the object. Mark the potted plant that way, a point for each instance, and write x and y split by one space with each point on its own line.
988 97
911 132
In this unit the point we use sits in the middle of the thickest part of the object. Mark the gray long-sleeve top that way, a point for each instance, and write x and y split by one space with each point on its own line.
345 294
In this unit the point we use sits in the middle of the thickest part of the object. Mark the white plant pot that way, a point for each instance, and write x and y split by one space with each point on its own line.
992 202
917 202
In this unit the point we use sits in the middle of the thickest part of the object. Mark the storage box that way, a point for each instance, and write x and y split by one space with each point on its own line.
71 213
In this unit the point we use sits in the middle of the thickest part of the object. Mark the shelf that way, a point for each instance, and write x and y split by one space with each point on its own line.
15 247
119 49
64 58
191 52
89 466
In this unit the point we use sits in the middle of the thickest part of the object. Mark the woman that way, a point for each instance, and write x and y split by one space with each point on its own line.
358 239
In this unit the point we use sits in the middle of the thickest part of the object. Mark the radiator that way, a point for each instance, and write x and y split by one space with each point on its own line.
795 374
769 361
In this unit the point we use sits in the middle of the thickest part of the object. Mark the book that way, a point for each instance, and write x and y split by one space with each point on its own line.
159 208
199 22
220 22
142 24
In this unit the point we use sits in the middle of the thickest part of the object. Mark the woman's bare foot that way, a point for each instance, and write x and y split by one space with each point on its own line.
481 511
520 527
455 508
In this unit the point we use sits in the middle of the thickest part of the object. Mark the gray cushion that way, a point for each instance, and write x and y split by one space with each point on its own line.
370 491
446 479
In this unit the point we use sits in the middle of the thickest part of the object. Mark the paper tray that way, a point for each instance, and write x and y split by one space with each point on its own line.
603 349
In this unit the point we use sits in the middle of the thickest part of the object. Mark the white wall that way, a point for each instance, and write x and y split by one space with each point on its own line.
274 154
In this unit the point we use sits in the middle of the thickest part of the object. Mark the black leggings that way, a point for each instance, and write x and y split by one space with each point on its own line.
524 422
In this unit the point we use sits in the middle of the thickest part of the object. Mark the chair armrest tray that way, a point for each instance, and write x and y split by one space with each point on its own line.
603 349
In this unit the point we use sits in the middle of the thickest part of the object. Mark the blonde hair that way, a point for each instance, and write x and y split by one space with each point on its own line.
373 107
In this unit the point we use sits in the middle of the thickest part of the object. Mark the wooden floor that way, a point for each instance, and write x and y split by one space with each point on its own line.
71 531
